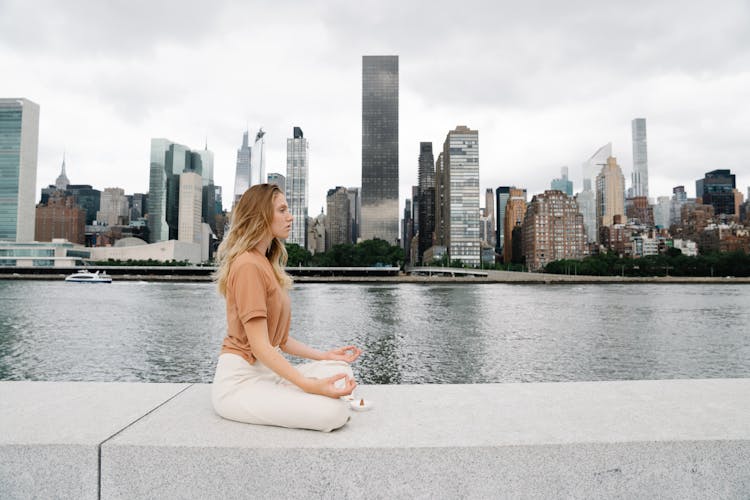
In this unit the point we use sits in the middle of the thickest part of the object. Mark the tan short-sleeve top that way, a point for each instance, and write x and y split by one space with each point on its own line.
254 292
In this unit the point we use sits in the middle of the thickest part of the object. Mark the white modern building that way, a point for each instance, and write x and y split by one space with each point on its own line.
688 247
242 172
640 159
19 144
191 194
297 188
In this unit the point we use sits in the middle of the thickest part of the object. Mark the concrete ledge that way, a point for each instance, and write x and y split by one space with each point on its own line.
50 433
673 439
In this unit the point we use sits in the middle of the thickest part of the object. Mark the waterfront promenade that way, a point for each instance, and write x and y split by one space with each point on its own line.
628 439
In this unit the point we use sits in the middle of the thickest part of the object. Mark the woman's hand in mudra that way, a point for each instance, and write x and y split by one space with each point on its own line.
331 386
347 353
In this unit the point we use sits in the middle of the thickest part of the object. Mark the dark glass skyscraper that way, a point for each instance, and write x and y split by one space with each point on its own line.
380 217
717 189
426 202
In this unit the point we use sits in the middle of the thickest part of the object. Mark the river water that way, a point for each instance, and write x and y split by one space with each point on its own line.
411 333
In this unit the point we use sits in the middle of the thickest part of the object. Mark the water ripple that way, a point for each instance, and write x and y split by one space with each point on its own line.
171 332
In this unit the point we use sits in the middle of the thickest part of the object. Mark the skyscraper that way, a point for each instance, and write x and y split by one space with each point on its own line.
563 184
461 167
717 189
19 142
203 162
441 190
297 186
380 217
258 160
426 202
355 207
169 161
502 194
640 158
593 166
489 212
338 217
586 200
515 210
205 159
113 207
87 198
662 211
610 193
242 173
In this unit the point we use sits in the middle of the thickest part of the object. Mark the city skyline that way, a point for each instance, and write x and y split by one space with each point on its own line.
616 69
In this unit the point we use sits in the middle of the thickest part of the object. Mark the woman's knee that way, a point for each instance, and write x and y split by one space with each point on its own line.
333 415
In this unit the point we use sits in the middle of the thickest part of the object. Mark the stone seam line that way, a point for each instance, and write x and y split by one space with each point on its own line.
99 446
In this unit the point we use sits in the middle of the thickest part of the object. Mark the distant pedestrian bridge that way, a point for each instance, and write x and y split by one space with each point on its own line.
455 272
373 271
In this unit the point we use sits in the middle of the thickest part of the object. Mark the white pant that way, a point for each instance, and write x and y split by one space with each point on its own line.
254 394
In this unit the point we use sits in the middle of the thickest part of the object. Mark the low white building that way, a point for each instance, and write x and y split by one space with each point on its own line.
62 253
137 249
687 247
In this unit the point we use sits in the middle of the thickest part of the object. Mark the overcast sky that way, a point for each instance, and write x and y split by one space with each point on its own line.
545 83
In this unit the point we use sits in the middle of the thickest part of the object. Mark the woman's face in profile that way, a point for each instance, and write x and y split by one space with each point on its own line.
282 217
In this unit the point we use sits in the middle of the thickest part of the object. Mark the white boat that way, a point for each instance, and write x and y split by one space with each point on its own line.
84 276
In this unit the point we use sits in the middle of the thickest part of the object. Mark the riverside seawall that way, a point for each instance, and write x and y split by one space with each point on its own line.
203 274
622 439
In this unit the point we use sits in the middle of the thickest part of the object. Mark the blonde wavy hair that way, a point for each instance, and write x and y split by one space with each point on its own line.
250 224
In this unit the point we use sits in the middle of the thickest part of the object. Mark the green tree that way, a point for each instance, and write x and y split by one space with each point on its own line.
297 255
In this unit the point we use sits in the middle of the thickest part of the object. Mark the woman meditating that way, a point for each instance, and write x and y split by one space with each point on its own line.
254 383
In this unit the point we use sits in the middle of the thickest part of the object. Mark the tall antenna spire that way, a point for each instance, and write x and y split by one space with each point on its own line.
62 181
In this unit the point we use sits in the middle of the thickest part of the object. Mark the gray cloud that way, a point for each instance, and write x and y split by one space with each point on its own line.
545 82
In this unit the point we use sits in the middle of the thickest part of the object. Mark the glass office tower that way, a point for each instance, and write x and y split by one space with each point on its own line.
168 161
19 141
461 157
380 217
296 185
717 189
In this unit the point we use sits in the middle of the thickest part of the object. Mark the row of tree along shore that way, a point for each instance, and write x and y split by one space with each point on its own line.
673 263
380 253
